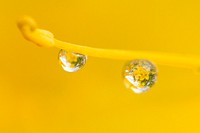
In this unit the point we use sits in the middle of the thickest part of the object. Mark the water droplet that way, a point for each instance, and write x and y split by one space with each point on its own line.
70 61
139 75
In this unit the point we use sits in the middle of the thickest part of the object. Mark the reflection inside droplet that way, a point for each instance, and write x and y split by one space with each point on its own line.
139 75
70 61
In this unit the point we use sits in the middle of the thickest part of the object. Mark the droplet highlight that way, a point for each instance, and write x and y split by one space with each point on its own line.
139 75
70 61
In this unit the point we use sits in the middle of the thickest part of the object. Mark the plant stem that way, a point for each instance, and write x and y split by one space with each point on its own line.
45 38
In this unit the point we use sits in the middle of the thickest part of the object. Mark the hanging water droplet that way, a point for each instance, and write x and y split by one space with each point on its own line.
70 61
139 75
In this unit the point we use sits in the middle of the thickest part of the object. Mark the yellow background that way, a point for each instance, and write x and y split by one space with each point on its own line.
37 96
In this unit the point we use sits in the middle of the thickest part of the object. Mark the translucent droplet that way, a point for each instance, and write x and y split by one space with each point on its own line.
70 61
139 75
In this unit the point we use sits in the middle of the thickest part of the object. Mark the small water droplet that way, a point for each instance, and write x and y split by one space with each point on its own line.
70 61
139 75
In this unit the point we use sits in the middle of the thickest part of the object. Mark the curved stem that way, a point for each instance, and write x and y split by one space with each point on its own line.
45 38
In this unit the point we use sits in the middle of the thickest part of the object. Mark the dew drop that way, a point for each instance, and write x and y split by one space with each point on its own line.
139 75
70 61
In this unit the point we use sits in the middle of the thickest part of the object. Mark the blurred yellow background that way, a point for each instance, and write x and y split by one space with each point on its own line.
37 96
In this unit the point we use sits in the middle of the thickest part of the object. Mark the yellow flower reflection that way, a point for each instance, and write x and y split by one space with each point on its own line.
71 58
141 74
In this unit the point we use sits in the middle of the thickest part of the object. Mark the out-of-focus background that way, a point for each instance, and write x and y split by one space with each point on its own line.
37 96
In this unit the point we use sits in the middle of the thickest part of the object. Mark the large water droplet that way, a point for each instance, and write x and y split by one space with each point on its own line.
70 61
139 75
